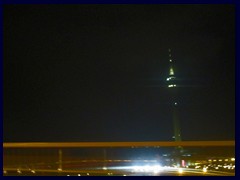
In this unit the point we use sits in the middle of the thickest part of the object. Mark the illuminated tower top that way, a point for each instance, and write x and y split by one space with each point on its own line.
171 78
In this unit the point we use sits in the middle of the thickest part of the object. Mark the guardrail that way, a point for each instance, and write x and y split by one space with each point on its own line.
116 144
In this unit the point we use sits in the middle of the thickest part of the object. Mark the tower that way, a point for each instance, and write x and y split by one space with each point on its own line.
173 87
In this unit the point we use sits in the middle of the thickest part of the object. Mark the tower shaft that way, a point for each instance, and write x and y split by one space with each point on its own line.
176 125
173 87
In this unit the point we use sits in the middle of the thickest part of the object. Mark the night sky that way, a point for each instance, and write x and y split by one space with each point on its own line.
97 72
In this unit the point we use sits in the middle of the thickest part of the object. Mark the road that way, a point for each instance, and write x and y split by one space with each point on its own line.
114 169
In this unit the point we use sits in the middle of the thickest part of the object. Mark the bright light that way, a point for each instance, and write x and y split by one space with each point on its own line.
104 168
169 78
220 160
18 171
147 168
59 169
156 169
171 71
137 168
33 171
183 163
79 174
172 85
204 169
180 170
232 159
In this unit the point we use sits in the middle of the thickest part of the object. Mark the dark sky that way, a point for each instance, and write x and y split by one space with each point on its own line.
97 72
